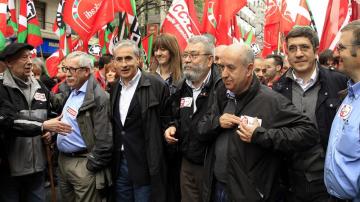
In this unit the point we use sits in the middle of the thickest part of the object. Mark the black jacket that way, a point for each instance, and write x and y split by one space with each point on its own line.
253 168
20 138
151 94
192 146
308 166
331 82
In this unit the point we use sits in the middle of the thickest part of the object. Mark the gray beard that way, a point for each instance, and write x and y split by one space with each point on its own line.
194 74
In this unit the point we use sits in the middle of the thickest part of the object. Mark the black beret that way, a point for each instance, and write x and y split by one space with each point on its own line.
14 48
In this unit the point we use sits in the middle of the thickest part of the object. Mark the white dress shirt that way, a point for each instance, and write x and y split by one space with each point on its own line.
126 95
197 91
306 85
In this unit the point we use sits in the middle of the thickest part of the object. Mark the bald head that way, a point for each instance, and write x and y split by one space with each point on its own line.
243 53
237 67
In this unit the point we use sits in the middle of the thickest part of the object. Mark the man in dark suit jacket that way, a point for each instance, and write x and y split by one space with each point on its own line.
138 101
314 90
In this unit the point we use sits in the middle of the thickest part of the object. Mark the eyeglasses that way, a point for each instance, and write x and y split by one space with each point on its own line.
302 48
192 56
341 47
71 69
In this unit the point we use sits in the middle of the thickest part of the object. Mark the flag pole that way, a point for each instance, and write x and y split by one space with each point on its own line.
311 16
279 34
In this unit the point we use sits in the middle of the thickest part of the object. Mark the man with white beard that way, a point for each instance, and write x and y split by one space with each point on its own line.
192 99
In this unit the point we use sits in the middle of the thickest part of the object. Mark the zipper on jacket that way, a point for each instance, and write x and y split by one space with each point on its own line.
32 138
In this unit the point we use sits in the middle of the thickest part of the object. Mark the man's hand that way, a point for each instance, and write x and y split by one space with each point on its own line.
229 120
57 126
246 131
47 137
169 135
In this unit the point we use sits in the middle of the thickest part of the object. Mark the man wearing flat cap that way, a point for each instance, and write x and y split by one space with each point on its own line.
25 105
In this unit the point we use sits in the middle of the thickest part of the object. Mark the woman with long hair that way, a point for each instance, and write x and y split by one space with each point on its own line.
167 65
167 59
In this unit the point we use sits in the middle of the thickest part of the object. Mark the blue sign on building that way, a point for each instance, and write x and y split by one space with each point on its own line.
48 47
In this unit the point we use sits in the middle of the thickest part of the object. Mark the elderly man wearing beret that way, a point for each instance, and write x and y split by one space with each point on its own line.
22 160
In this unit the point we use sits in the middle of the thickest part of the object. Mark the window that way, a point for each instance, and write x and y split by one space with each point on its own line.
40 12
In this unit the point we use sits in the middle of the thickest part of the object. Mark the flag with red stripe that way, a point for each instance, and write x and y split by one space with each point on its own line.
181 21
29 27
11 27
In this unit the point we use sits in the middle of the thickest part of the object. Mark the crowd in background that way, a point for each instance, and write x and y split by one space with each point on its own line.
203 124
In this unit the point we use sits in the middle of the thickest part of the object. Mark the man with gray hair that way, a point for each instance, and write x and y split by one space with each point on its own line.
191 100
253 126
86 151
138 114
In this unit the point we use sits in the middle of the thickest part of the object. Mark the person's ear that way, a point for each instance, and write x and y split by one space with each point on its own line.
250 69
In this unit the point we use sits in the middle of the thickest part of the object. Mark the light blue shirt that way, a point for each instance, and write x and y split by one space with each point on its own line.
342 164
73 141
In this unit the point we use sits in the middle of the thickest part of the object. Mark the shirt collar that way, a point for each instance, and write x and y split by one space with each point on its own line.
133 81
354 89
82 88
230 94
159 73
205 81
312 79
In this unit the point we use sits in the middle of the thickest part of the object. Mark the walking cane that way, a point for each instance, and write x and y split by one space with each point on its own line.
50 168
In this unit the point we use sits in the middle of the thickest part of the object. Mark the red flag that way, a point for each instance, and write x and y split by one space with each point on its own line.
227 9
210 17
78 45
303 15
218 19
147 44
12 27
236 30
181 21
271 27
125 6
355 15
87 17
52 62
286 23
29 27
337 15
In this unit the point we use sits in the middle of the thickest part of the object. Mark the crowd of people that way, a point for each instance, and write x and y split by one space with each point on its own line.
203 124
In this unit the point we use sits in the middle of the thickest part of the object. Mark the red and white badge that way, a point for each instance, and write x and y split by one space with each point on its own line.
72 112
345 111
40 97
248 120
186 102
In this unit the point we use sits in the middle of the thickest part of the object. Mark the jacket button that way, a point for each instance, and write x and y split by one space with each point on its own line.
304 111
331 105
190 116
326 93
122 132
